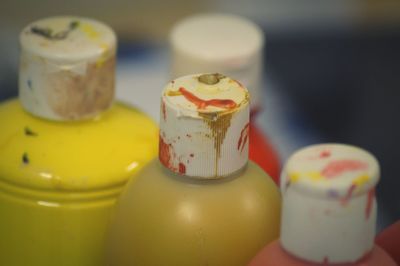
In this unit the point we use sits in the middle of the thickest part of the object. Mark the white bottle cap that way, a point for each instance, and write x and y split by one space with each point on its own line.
67 68
223 43
329 207
204 126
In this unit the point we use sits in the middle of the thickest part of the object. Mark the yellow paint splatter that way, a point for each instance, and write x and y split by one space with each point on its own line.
174 93
315 176
89 30
361 180
294 177
103 58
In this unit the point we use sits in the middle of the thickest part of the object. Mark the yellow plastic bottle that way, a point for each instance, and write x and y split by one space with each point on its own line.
66 150
202 202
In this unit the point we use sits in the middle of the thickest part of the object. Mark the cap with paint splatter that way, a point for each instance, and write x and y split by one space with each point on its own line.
67 68
329 207
223 43
204 126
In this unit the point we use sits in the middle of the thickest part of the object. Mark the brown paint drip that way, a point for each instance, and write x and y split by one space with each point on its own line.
163 110
74 96
218 124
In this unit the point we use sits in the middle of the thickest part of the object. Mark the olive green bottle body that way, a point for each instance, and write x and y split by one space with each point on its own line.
166 219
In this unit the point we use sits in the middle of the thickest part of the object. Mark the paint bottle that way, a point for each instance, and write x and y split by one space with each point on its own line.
232 45
66 149
328 210
202 202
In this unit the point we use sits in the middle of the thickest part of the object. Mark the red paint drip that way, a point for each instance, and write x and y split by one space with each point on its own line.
182 168
370 202
326 261
202 104
336 168
164 153
347 198
244 134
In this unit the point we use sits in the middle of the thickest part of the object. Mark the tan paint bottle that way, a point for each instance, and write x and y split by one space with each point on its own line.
202 202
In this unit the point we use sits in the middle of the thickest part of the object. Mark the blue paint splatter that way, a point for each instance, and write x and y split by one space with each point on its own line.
333 193
29 83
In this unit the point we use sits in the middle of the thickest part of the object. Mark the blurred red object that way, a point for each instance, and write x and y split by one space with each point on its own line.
389 240
262 152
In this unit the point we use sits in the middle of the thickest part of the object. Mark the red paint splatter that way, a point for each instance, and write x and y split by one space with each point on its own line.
370 202
325 154
167 155
336 168
347 198
164 153
244 134
163 109
202 104
182 168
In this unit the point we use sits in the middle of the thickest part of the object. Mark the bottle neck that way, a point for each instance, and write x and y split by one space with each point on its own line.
199 179
65 92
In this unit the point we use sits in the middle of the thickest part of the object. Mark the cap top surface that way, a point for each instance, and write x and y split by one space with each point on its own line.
205 93
332 170
230 37
67 38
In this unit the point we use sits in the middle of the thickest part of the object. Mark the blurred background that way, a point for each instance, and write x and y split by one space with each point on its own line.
332 68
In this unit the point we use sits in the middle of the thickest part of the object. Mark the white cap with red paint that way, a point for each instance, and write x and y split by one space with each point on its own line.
329 207
67 68
204 126
221 43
